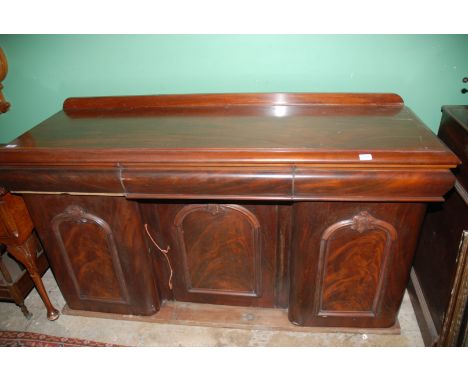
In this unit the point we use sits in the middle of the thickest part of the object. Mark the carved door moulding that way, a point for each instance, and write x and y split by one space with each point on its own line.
361 223
76 214
220 210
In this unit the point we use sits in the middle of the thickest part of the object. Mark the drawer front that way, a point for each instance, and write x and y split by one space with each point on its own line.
371 184
239 183
300 183
62 179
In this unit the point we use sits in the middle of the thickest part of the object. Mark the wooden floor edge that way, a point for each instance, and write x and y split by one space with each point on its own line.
228 317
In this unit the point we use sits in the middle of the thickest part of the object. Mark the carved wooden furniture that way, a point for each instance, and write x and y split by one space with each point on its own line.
4 105
17 233
439 280
306 201
15 280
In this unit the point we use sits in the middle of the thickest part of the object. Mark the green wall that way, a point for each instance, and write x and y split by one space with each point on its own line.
44 70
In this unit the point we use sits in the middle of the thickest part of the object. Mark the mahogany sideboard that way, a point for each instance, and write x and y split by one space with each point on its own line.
311 202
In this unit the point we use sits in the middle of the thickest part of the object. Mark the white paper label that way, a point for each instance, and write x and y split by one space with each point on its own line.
10 146
365 156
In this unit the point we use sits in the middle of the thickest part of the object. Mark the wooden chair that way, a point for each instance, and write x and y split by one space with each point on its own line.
17 234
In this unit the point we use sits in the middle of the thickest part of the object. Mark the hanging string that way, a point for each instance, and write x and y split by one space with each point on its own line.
164 252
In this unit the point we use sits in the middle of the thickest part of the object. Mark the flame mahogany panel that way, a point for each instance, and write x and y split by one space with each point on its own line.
350 262
353 264
89 252
221 253
220 247
96 248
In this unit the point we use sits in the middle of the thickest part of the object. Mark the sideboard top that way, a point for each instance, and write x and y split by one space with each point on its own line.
328 128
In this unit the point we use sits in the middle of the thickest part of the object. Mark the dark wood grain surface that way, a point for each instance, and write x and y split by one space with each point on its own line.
98 251
220 253
278 127
312 201
351 262
454 131
15 223
438 259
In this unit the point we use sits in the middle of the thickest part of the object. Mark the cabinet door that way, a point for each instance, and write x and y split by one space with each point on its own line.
351 262
220 253
97 252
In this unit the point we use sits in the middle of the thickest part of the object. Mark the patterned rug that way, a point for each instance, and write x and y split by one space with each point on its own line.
29 339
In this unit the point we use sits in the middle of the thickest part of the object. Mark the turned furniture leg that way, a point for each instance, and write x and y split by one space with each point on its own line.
26 254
